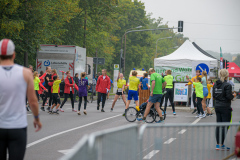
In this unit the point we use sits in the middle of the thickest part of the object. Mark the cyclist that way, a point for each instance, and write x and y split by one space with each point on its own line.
120 91
133 90
169 88
15 79
194 94
157 83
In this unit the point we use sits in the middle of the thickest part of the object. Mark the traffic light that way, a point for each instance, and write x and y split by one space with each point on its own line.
227 64
224 63
122 62
180 26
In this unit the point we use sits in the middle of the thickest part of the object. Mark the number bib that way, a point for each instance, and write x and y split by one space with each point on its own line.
119 90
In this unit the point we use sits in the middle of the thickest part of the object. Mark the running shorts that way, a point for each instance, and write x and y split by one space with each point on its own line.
155 98
132 94
119 92
205 92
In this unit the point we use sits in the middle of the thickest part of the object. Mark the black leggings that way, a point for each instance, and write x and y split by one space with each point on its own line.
37 94
222 115
194 99
199 105
169 95
80 103
66 97
13 140
103 95
48 94
162 100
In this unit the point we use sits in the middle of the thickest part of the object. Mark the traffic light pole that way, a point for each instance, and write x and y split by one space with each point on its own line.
181 28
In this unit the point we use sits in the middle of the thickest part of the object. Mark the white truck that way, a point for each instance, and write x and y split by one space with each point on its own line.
64 58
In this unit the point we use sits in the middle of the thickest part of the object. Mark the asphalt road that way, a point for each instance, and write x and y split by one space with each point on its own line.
61 132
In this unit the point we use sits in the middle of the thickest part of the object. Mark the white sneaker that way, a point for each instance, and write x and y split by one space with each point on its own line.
200 116
197 116
204 115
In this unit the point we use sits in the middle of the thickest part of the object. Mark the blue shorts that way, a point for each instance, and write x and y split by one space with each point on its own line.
133 94
205 92
155 98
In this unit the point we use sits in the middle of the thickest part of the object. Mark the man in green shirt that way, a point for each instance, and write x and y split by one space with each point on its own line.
169 89
156 83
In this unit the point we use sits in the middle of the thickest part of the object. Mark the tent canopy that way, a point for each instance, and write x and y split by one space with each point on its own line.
234 70
184 56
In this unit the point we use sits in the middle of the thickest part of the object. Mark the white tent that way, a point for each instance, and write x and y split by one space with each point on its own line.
184 56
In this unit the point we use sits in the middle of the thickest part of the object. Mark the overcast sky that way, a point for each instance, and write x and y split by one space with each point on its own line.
209 23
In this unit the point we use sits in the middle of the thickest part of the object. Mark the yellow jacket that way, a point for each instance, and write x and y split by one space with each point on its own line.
190 83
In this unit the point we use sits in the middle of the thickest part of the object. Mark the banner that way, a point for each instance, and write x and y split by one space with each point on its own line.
178 73
116 71
180 92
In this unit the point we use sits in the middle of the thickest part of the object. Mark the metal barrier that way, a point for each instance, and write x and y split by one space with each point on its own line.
185 141
155 141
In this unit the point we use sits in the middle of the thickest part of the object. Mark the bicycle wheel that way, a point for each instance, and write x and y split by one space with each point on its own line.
131 114
151 116
158 117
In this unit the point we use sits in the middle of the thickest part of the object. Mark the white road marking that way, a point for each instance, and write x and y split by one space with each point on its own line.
169 141
29 114
69 130
182 131
196 121
151 154
65 151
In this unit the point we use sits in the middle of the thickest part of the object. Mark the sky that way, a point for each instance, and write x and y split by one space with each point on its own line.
209 23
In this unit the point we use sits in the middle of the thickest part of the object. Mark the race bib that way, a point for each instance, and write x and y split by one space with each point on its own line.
119 89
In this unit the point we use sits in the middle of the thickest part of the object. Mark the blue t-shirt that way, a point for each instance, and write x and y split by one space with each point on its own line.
144 83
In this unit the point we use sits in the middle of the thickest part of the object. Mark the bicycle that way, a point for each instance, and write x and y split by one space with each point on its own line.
132 114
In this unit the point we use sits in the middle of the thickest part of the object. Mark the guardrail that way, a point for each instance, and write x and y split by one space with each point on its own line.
156 141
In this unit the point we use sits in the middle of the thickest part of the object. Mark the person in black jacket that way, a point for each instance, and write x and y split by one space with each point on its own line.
222 92
76 79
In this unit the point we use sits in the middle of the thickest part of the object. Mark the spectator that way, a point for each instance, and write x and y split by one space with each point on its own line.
144 82
76 79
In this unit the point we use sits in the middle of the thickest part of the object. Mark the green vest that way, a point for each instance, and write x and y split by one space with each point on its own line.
169 80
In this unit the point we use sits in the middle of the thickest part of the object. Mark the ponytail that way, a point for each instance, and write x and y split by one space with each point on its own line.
82 75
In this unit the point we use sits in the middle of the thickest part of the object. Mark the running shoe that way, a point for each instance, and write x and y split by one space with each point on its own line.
79 113
85 112
160 121
204 115
97 107
42 108
197 116
50 112
200 116
194 111
74 110
217 147
143 121
111 109
61 110
174 113
139 119
207 114
223 148
102 110
56 112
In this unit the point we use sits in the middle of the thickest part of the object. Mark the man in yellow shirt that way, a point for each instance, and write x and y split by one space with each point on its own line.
134 83
55 95
194 94
120 91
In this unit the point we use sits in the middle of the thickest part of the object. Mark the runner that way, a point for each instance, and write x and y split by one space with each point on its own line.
69 90
222 92
199 95
82 87
120 91
102 87
76 79
15 79
55 93
157 83
46 76
134 83
205 90
194 94
169 88
40 91
37 83
209 86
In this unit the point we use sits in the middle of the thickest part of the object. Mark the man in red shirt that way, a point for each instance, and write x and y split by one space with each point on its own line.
103 87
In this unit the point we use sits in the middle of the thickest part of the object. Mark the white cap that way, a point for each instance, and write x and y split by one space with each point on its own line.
7 47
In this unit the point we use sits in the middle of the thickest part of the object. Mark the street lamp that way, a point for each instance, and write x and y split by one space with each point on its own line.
157 42
125 46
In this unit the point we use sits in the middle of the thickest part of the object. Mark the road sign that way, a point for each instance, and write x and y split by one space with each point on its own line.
97 60
202 67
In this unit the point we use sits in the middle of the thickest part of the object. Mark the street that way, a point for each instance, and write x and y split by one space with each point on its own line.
61 132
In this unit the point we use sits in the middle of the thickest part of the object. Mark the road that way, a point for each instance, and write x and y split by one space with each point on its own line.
61 132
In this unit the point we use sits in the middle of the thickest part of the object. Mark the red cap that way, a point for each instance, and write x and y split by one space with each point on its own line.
7 47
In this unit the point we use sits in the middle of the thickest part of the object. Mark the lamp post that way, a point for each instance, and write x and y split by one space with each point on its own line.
125 47
157 42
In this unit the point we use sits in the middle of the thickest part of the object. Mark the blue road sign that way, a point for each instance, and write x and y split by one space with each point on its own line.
202 67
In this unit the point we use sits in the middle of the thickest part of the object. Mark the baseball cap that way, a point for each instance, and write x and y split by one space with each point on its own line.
7 47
